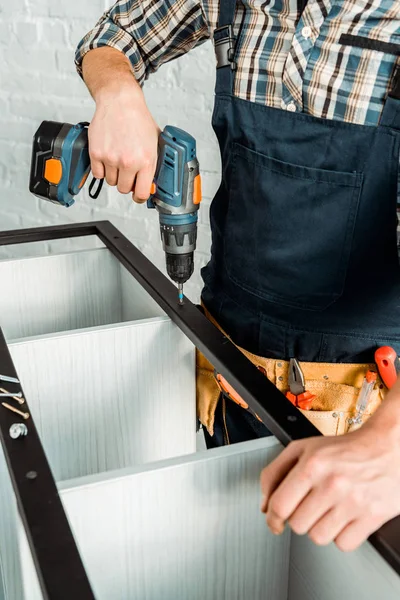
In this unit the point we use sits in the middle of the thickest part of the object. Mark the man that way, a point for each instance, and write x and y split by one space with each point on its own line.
304 262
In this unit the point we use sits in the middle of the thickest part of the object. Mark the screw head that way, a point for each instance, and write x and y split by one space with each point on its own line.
292 418
18 430
31 475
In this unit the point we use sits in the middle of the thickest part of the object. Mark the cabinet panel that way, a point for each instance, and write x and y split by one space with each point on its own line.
325 573
184 529
110 398
69 291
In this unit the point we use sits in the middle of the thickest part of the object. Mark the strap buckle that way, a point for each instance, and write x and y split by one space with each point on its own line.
224 45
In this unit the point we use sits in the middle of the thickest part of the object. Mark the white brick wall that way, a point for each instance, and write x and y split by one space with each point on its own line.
38 81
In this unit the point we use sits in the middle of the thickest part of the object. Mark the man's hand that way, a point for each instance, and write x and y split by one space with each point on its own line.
123 137
339 489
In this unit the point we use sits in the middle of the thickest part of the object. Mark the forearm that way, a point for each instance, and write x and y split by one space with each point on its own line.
146 36
108 72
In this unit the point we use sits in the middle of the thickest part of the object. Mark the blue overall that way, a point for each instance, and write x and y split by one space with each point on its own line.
304 256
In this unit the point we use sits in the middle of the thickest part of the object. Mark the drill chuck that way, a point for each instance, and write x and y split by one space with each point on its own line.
179 243
180 267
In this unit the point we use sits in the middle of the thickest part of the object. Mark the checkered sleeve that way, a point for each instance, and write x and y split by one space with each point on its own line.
148 32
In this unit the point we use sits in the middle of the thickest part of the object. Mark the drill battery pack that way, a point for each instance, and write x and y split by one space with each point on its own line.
60 161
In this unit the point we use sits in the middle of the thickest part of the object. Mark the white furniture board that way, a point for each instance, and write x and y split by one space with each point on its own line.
326 573
69 291
110 398
184 529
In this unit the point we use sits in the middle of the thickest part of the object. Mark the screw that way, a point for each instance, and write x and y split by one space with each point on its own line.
9 379
31 475
279 365
18 430
326 377
280 378
8 395
15 410
292 418
19 398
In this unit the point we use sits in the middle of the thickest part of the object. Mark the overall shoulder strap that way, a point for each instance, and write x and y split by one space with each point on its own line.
227 10
224 44
391 111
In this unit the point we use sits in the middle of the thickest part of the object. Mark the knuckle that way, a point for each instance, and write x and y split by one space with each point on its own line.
147 161
111 160
356 498
337 483
314 466
127 162
96 155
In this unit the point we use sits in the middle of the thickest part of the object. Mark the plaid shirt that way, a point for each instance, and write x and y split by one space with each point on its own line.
334 60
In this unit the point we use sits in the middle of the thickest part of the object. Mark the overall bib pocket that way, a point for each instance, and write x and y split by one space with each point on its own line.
289 229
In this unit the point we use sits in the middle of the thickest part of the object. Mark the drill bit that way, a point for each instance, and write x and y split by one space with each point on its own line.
180 293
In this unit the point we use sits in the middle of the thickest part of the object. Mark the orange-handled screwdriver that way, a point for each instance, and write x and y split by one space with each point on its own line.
388 364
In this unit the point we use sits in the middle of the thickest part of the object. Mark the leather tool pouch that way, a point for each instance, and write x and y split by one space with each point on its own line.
336 387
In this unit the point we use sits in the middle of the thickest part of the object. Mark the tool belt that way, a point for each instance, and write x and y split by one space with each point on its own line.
336 387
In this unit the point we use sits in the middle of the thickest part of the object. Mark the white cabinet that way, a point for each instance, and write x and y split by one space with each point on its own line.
110 382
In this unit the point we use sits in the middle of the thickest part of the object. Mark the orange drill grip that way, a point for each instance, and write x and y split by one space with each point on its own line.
197 190
388 365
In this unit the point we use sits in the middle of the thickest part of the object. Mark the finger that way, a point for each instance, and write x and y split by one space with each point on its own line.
316 504
111 175
289 494
330 525
126 180
355 533
272 475
98 170
143 183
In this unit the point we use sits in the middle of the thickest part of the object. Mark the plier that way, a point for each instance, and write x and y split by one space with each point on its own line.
298 394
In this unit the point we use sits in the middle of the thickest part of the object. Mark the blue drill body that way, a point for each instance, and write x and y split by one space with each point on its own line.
61 164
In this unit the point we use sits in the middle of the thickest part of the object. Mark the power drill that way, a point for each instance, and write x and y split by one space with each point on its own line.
61 165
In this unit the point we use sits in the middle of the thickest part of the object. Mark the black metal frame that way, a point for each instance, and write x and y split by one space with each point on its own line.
57 560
